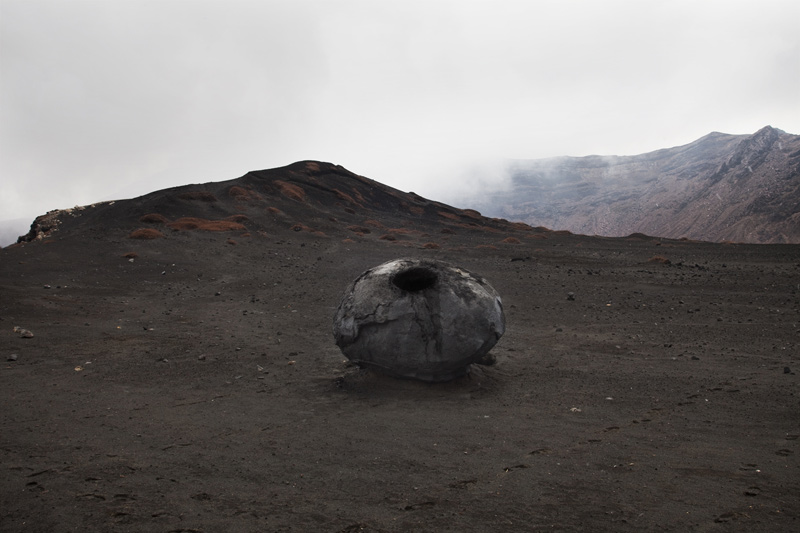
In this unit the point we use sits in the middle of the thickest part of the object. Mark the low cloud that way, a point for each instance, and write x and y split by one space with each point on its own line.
108 100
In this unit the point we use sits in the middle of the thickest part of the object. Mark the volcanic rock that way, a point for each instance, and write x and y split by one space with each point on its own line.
421 319
24 333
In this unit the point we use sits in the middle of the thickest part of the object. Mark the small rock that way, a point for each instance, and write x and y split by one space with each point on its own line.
725 517
787 370
12 357
488 359
24 333
571 296
695 358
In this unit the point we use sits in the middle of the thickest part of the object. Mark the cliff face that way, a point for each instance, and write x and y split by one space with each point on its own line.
743 188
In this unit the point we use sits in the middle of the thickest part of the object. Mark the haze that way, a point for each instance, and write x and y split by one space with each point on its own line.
106 100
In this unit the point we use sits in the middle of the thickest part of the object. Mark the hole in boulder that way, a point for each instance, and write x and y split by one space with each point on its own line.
415 279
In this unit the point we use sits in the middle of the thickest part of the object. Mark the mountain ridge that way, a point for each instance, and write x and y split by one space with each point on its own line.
720 187
309 197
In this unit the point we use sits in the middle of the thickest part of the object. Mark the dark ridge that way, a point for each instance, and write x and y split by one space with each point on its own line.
311 197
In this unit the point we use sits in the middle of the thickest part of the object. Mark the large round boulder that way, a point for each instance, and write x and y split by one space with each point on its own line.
419 319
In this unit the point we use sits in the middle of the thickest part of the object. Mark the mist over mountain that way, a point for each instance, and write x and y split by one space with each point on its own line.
721 187
742 188
10 230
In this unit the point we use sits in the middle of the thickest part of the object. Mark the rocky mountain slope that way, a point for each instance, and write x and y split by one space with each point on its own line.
742 188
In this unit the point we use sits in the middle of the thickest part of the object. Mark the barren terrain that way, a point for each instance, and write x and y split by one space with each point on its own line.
190 382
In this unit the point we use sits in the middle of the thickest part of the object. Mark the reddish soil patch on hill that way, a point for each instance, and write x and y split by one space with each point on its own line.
194 223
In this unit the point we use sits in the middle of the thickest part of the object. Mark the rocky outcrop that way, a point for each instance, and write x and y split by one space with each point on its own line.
45 225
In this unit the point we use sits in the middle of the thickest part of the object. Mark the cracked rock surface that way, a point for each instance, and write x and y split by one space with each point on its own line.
420 319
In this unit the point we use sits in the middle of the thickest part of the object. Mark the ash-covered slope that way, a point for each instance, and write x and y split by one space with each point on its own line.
743 188
309 197
192 383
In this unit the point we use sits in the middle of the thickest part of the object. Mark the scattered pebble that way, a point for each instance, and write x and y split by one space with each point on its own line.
24 333
12 357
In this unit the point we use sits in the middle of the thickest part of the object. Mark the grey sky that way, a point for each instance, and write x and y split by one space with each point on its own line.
116 98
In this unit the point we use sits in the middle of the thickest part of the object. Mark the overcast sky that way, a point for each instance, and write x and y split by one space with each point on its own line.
109 99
